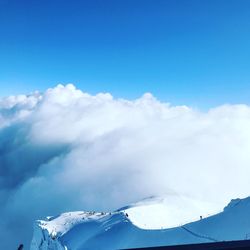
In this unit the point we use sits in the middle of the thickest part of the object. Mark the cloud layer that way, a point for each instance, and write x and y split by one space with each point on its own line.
67 150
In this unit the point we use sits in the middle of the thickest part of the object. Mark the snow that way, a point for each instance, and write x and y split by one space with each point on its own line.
47 232
60 225
151 222
168 212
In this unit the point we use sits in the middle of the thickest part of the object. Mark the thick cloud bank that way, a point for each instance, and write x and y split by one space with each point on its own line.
68 150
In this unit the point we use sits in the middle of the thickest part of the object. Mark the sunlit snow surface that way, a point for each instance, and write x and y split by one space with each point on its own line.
57 226
168 212
151 222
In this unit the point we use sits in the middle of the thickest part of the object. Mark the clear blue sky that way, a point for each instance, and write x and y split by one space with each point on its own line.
194 52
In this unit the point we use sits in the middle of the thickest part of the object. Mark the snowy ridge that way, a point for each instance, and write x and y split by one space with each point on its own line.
47 232
172 211
58 226
125 228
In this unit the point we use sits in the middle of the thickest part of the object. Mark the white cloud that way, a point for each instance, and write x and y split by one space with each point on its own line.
67 150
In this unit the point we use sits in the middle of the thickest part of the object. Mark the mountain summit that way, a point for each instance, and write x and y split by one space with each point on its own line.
152 222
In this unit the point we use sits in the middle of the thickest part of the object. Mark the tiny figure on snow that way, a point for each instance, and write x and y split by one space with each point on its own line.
20 247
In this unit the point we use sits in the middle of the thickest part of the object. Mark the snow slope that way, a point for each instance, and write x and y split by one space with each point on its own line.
167 212
152 222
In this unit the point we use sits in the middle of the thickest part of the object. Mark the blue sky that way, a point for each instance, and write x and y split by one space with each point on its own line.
184 52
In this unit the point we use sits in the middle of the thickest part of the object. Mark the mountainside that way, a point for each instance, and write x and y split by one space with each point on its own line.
152 222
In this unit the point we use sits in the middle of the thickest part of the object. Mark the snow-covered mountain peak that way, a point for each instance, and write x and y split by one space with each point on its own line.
155 221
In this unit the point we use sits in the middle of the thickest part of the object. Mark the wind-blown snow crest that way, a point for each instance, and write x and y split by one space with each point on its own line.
167 212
